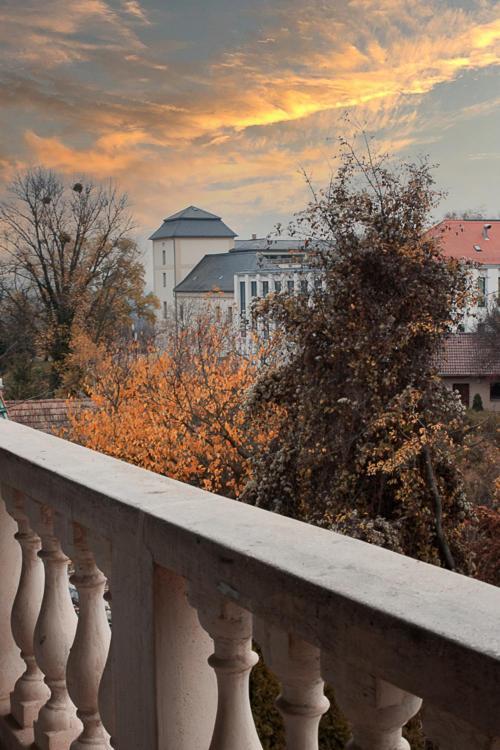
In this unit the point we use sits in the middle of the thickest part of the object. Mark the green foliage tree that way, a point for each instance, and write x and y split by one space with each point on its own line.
68 251
477 402
367 439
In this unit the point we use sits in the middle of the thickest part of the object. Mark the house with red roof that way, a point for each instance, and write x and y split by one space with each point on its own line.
470 364
476 240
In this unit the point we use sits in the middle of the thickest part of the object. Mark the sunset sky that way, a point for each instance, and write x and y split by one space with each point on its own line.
221 103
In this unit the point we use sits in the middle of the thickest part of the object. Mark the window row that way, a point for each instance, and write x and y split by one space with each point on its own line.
304 288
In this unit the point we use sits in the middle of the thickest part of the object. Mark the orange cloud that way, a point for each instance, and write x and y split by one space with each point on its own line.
234 124
110 155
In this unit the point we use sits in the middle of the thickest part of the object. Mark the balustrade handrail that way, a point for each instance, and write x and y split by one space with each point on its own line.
434 633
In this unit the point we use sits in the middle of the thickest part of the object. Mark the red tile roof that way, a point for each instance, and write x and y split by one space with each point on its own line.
459 237
468 354
47 415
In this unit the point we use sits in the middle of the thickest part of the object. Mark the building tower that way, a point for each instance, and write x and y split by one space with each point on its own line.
179 244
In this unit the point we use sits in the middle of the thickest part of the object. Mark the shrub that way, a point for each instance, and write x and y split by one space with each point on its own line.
477 402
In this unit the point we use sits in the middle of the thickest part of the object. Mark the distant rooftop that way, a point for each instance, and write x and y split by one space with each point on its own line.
47 415
264 243
466 355
216 271
192 222
472 239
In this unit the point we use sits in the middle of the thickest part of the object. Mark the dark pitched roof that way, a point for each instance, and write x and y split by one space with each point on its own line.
468 354
191 212
47 415
192 222
465 238
217 271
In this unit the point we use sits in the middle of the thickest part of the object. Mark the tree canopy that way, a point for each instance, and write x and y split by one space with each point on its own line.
368 431
68 255
180 412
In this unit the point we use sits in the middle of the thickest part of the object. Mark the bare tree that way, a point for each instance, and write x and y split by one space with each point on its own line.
69 248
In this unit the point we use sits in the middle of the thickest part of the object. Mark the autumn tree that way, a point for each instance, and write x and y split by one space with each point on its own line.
179 412
69 251
24 376
488 330
368 436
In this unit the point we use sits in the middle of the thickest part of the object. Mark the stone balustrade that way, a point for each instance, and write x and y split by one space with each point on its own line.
193 579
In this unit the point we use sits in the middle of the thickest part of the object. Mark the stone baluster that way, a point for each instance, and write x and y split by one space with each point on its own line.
11 665
230 627
105 694
302 701
57 724
30 692
101 551
453 733
376 710
90 648
186 686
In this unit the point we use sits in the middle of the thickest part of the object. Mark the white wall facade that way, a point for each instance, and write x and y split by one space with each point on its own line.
174 258
491 276
221 305
482 386
258 284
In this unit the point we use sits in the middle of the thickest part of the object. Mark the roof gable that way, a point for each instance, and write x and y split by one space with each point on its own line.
192 212
192 222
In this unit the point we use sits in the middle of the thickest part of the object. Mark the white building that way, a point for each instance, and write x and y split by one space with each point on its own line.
476 240
180 243
197 262
228 281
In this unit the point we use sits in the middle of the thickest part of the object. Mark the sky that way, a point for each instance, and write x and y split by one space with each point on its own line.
224 103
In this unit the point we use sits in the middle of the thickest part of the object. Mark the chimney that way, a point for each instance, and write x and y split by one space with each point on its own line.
254 236
486 228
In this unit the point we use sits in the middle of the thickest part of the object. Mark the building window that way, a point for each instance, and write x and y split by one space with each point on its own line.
481 285
253 288
495 391
317 282
164 279
277 286
303 286
164 257
164 310
243 297
217 313
290 285
181 312
265 288
229 314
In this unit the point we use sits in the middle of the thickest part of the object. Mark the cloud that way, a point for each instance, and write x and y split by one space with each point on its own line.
60 33
134 9
108 88
109 155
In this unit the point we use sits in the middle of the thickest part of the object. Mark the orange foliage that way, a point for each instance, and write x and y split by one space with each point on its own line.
180 412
